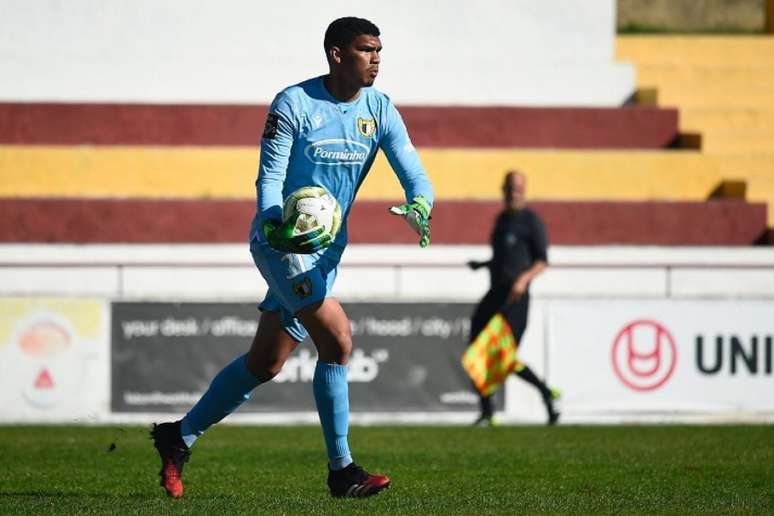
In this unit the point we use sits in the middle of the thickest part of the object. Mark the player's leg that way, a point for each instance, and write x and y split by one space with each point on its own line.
330 330
485 310
550 396
302 284
229 389
233 385
516 313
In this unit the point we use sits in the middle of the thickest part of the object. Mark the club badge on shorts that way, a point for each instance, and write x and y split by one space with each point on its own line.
366 127
303 288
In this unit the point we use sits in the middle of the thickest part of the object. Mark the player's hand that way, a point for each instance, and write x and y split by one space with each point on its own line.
474 265
417 214
281 237
518 289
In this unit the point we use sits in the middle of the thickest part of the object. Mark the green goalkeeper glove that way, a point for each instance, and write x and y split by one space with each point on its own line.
417 214
281 237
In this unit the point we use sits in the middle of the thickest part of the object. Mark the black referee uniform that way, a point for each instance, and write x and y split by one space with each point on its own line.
518 241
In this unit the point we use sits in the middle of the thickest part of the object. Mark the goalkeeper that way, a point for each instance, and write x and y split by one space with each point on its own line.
324 132
519 254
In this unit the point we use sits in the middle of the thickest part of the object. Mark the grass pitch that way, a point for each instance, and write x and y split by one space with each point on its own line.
435 470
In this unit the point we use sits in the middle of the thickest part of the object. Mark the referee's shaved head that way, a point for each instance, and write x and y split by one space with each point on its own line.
515 189
343 31
516 180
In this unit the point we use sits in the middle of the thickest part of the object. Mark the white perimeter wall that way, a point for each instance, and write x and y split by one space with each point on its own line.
721 287
496 52
394 272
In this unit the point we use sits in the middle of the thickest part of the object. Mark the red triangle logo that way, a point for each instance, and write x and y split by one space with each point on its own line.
44 380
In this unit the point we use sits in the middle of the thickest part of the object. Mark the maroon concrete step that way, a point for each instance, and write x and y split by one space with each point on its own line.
150 124
714 222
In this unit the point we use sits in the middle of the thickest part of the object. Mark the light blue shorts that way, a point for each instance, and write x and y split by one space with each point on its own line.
295 281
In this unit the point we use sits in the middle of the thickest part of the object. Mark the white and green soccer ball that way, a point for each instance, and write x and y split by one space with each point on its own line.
316 207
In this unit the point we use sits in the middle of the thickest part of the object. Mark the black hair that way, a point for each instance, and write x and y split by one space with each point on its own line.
342 31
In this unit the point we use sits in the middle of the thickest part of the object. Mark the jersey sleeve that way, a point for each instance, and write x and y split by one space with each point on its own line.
539 240
403 158
276 144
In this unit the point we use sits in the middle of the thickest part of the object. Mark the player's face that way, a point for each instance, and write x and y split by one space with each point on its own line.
360 60
514 189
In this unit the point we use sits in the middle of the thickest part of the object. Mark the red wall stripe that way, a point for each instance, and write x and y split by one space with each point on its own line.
454 222
144 124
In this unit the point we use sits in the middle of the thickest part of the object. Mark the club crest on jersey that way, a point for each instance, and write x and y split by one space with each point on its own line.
366 126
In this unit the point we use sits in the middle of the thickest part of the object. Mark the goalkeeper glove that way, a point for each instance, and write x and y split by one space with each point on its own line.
417 214
281 237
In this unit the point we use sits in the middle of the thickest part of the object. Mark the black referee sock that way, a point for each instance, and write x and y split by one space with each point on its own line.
527 375
486 406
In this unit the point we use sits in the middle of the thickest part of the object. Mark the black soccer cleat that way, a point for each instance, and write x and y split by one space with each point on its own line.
551 403
355 482
174 454
485 420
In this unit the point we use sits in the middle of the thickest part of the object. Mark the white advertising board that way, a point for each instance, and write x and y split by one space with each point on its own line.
54 357
676 360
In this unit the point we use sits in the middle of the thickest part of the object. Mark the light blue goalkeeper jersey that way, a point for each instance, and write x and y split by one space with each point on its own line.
313 139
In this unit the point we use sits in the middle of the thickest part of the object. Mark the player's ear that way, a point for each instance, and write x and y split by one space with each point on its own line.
334 55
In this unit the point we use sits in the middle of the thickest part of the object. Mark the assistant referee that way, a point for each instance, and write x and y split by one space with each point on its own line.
519 254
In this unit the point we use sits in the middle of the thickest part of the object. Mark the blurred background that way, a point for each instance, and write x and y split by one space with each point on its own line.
129 143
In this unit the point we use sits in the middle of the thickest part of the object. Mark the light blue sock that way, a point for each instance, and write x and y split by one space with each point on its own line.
229 389
331 393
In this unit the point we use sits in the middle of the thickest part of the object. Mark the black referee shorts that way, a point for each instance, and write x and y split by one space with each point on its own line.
495 301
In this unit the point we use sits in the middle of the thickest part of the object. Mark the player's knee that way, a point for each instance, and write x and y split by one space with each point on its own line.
344 344
339 347
265 367
273 368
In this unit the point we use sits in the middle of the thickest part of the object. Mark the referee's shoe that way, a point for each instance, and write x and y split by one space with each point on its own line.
174 454
355 482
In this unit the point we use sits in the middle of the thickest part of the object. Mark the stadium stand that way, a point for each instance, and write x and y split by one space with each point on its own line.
459 222
723 88
182 167
76 171
240 125
458 173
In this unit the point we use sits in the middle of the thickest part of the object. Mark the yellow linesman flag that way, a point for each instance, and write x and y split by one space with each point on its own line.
491 357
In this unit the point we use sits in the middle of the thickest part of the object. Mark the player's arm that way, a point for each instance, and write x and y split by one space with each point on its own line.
276 144
539 247
522 282
477 265
405 162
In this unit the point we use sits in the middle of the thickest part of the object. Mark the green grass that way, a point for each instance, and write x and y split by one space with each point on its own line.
435 470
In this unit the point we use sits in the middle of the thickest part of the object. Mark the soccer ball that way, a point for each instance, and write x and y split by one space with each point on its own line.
316 207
